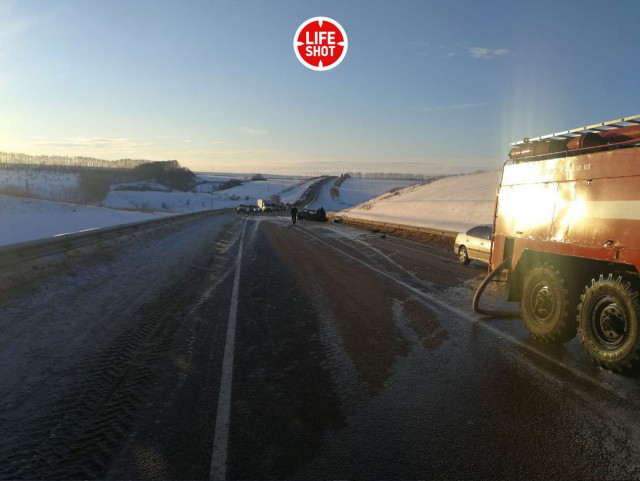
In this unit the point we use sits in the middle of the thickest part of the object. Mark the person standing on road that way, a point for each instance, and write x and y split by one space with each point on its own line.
294 214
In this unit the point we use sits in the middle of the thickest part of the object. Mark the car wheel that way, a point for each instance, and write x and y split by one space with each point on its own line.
463 255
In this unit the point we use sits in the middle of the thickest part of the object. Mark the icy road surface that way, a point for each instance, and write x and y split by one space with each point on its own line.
246 348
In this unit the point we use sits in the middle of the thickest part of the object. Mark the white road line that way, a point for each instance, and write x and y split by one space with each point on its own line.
223 415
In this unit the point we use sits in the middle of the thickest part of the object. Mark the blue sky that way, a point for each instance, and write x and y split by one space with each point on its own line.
426 87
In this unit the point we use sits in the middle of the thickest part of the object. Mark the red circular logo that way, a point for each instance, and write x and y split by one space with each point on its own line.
320 43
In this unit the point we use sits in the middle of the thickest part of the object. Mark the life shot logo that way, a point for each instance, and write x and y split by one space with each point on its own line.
320 43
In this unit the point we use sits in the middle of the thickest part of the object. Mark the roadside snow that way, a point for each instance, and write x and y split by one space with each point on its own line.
23 219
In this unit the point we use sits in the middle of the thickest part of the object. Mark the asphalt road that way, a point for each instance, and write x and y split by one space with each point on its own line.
313 351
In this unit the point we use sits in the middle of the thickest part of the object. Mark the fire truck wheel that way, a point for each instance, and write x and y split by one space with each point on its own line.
463 256
545 305
608 316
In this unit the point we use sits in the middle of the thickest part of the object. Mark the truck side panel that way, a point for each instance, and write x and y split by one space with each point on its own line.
562 206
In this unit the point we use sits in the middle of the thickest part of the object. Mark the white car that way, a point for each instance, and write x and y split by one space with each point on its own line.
474 244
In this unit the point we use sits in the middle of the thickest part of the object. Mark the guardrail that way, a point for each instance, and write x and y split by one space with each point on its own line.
15 254
441 236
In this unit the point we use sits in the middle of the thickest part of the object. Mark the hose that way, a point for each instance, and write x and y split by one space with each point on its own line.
483 286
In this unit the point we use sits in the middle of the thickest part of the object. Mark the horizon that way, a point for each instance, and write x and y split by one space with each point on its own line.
355 174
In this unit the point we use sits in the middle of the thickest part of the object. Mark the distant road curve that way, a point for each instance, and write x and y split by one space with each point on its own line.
315 189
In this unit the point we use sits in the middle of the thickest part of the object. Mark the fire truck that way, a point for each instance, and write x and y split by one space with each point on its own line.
566 238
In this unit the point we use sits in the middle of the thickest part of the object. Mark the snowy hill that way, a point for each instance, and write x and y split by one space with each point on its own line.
453 203
356 191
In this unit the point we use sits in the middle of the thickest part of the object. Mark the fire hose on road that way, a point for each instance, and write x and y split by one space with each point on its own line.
483 286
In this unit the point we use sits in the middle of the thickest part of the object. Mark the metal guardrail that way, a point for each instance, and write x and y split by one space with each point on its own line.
392 226
15 254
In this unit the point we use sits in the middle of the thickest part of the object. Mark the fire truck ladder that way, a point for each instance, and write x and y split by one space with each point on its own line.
567 134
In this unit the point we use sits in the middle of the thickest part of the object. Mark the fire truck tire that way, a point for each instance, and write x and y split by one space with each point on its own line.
463 256
608 318
545 306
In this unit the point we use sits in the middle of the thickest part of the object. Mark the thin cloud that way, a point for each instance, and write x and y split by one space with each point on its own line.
441 108
488 53
438 50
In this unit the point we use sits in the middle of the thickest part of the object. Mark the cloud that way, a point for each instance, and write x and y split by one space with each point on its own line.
441 108
438 50
252 131
487 53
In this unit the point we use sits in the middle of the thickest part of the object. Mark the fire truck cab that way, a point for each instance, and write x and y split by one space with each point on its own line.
567 237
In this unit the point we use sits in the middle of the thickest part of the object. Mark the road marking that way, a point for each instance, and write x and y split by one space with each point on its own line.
223 415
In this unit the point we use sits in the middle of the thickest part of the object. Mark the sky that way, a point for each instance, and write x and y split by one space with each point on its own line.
426 87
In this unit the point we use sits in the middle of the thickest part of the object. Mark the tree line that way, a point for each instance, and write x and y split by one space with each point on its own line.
388 176
57 162
96 176
168 173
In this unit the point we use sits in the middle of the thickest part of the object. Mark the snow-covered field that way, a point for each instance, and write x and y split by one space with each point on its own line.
288 188
452 203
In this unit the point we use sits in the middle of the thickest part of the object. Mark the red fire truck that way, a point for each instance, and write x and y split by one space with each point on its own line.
567 238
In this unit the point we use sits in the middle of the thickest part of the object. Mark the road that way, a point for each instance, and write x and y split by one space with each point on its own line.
242 347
